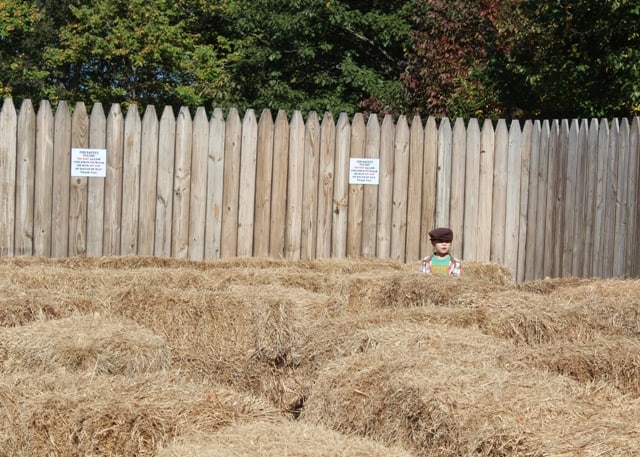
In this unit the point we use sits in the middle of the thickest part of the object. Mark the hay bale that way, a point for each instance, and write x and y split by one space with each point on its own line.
614 361
100 345
526 318
548 285
583 312
609 306
279 439
450 392
417 289
85 415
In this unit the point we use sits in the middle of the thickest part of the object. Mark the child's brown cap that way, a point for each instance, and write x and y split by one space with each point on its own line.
441 234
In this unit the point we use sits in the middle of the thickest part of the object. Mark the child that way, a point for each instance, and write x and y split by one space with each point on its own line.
441 262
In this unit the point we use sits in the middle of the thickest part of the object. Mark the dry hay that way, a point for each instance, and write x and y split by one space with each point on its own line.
100 345
114 416
416 289
449 392
279 439
610 306
615 361
290 333
592 309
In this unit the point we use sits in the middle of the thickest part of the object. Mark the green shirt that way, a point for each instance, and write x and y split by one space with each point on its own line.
440 265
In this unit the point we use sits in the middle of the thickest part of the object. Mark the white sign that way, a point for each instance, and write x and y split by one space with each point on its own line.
364 171
89 162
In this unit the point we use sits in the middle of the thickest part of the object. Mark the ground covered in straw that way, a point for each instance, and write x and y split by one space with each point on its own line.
159 357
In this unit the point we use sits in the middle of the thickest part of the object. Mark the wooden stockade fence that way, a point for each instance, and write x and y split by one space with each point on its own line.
545 198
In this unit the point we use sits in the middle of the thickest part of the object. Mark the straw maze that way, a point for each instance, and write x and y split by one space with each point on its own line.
148 356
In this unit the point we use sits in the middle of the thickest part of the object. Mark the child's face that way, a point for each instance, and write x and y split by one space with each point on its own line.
441 247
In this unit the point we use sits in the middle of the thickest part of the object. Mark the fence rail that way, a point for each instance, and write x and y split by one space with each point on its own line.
546 198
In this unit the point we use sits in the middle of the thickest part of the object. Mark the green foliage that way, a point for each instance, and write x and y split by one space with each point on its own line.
454 42
318 54
135 51
575 58
20 49
525 58
482 58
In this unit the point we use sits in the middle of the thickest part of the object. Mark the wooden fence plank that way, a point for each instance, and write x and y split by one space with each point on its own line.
25 178
532 205
458 178
611 196
215 185
264 168
400 188
429 189
500 168
590 196
559 207
341 188
295 174
325 191
61 176
8 126
570 199
356 191
414 196
96 185
148 181
131 181
551 228
247 190
310 190
198 191
541 212
620 247
279 185
43 194
443 175
181 186
579 227
370 192
230 193
113 182
166 166
525 164
633 240
512 198
600 199
485 204
385 196
78 195
469 233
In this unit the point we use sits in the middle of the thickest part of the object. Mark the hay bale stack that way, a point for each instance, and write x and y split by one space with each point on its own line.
282 326
117 415
42 290
448 392
614 361
548 285
610 306
417 289
99 345
583 312
279 439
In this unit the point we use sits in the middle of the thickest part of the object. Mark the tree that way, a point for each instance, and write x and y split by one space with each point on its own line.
135 51
524 58
320 55
574 58
21 42
449 66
